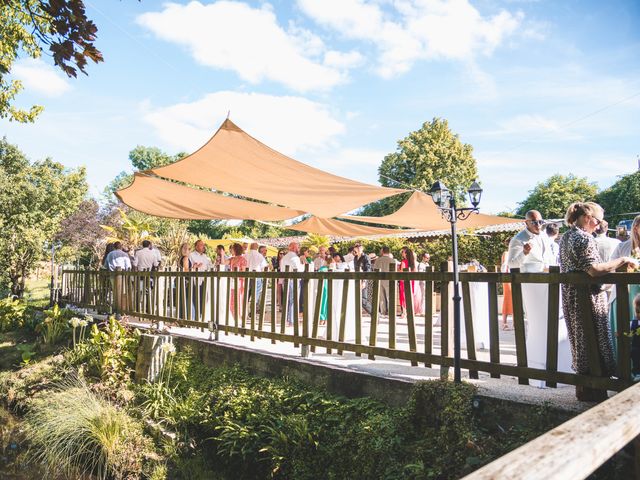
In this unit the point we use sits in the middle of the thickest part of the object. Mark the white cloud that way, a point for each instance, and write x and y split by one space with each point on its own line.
249 41
39 77
288 124
415 30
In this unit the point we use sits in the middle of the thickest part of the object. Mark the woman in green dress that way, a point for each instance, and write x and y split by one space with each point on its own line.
323 287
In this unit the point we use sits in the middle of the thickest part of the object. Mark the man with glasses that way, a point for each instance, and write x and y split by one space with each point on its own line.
530 250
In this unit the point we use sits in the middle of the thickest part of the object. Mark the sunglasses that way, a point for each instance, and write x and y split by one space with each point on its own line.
598 220
536 222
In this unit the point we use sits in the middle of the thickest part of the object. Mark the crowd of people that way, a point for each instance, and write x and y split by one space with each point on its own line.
584 247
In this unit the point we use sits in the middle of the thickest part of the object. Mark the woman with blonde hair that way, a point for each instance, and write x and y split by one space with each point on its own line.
579 253
184 263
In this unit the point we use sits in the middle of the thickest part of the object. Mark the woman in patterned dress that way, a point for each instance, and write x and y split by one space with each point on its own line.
579 253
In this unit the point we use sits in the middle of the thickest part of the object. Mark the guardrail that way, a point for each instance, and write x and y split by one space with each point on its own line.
575 449
208 300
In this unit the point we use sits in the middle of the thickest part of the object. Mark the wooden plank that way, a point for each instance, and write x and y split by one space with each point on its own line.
468 326
316 311
553 318
494 323
428 318
274 305
446 340
392 307
285 303
622 332
358 311
305 306
244 308
263 302
597 434
343 311
329 309
375 310
296 309
411 325
251 296
518 323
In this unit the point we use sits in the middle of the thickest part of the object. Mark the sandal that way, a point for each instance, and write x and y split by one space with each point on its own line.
506 327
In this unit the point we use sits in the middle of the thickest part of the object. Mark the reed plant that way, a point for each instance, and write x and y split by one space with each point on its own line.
77 434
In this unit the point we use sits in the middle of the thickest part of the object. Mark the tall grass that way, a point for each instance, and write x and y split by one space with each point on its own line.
76 433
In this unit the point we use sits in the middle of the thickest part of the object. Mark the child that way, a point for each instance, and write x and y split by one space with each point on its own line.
635 339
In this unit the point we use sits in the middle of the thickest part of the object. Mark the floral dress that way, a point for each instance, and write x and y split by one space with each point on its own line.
578 252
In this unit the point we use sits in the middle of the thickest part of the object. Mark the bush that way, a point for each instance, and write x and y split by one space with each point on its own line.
55 326
109 353
264 428
12 314
486 249
73 432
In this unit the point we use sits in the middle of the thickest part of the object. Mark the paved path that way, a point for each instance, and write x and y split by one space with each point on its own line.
506 387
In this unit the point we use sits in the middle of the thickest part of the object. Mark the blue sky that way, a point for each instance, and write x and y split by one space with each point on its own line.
537 87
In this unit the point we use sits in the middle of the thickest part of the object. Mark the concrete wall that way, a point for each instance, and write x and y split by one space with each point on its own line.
333 379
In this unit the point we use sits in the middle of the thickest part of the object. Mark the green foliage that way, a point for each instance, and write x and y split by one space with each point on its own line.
27 352
442 410
35 198
553 196
258 428
623 197
12 314
111 352
55 326
146 158
26 26
74 433
487 249
431 153
315 240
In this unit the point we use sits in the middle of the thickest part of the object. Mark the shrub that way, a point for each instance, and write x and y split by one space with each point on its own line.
12 314
73 432
54 326
110 352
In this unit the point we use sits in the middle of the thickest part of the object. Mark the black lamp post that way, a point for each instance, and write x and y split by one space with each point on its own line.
446 202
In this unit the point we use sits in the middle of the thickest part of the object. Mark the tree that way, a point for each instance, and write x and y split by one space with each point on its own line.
34 200
146 158
623 197
26 26
552 197
424 156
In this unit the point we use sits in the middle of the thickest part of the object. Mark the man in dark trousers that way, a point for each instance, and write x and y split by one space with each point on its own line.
362 263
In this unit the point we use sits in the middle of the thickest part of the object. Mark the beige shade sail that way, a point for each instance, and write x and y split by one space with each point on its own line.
421 213
338 228
234 162
168 199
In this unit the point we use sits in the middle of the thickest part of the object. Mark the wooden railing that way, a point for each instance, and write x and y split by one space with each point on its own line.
575 449
172 296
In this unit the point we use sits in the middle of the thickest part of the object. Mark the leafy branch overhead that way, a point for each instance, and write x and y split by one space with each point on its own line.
28 26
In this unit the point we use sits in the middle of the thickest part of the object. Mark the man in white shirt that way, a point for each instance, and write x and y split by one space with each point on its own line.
256 263
118 258
530 250
606 244
291 260
200 262
146 258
